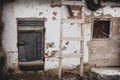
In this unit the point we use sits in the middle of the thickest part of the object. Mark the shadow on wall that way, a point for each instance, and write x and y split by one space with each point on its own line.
3 58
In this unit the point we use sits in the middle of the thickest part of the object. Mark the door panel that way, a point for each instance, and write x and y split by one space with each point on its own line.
30 45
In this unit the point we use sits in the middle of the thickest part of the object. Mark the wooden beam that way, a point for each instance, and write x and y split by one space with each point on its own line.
81 67
82 51
110 4
30 28
60 52
72 55
31 19
81 3
72 21
31 63
72 38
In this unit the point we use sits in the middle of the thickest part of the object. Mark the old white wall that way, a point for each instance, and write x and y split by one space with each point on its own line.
28 9
40 9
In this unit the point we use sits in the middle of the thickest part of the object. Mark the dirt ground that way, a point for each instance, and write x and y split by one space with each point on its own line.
43 75
71 74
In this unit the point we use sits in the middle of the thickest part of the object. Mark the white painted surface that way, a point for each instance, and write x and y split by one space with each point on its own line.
40 9
113 11
28 9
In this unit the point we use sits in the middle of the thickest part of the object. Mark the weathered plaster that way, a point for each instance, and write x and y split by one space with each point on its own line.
52 14
28 9
39 9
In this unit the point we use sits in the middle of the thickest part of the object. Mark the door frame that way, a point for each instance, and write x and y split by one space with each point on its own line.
42 28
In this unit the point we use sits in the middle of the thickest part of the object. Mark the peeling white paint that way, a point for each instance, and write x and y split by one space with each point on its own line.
40 9
115 12
98 12
87 11
28 9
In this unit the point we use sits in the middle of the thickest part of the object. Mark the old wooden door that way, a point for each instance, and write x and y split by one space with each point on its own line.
30 45
30 39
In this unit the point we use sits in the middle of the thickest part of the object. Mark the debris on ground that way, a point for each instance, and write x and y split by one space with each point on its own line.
70 74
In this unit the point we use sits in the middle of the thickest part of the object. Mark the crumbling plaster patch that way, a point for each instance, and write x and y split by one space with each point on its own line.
104 12
115 11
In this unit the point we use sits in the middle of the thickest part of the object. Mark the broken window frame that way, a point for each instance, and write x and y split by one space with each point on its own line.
102 19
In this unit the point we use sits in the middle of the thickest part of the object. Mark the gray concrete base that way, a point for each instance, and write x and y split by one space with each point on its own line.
107 71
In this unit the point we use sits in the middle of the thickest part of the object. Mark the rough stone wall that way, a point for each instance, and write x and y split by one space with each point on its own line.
105 52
